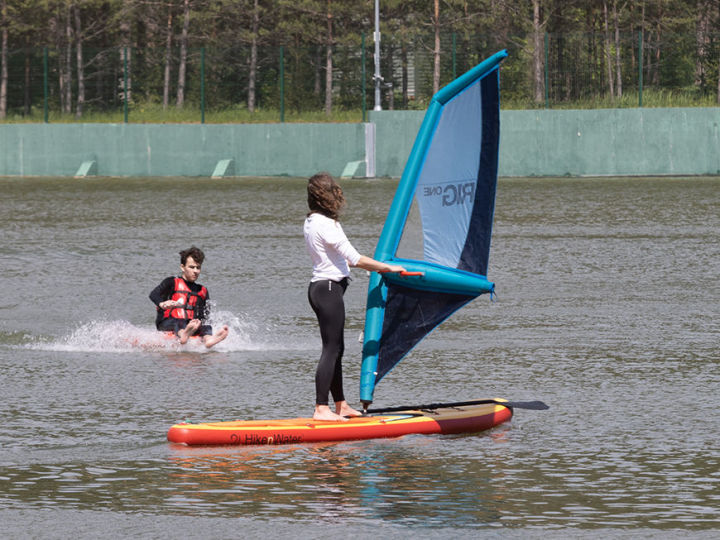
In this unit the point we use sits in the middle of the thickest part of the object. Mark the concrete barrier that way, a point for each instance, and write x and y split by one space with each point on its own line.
600 142
179 149
617 142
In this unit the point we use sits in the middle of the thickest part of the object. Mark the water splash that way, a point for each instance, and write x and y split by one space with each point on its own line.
122 336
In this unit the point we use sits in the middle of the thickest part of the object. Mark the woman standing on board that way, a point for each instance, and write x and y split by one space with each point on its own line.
331 254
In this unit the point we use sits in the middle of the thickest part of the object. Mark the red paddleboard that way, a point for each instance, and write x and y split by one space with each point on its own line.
467 417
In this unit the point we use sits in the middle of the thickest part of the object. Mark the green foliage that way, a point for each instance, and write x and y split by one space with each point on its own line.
240 41
154 113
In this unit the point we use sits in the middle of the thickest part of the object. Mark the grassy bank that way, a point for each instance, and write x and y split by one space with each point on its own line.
150 113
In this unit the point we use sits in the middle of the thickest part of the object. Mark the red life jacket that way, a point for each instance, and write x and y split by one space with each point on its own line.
190 299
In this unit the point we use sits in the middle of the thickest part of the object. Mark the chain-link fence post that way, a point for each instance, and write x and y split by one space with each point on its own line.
547 67
202 85
45 85
125 83
362 75
282 84
454 55
640 67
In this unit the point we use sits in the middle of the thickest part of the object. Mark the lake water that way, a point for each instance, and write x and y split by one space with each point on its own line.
608 310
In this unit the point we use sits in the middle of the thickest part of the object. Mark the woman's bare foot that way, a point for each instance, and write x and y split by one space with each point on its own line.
323 412
188 331
343 409
217 337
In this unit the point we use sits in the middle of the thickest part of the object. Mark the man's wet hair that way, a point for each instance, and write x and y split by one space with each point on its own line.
195 252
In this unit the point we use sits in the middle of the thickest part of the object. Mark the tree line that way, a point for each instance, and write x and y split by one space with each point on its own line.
162 35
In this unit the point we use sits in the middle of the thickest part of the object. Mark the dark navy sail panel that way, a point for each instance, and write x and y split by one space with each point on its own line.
452 174
410 315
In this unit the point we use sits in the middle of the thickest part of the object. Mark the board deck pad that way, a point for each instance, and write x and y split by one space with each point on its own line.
439 420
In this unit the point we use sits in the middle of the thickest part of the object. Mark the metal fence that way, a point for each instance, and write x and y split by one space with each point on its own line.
575 70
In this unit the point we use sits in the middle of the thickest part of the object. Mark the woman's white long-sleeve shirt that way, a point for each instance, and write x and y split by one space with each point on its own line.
329 248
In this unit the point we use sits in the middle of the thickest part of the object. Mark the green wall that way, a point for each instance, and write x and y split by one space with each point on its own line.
179 149
614 142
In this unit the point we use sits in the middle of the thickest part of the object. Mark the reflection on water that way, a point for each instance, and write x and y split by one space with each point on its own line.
327 482
386 480
607 310
407 481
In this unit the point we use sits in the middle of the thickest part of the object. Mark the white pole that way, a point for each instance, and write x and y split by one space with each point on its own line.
378 79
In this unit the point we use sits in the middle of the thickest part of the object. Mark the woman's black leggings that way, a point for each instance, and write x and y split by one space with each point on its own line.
326 299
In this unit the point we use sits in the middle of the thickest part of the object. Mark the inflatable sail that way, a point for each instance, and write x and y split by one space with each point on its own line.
452 174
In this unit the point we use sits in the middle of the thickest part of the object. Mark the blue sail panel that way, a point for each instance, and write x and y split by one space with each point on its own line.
476 252
459 174
446 187
452 174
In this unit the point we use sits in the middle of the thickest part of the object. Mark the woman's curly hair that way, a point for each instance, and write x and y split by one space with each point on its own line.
325 196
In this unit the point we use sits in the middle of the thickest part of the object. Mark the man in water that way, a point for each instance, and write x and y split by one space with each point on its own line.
182 302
